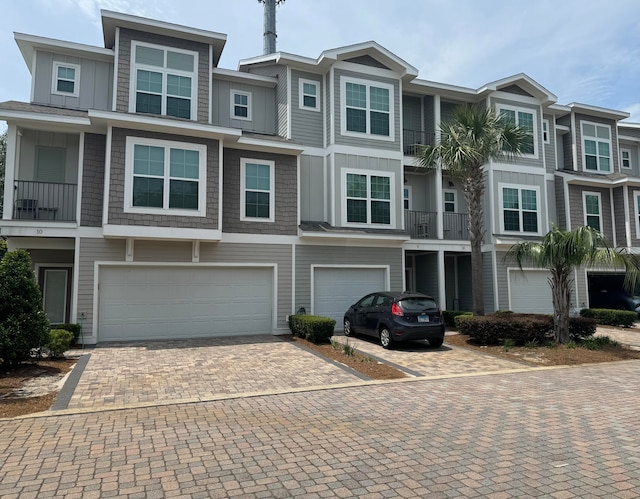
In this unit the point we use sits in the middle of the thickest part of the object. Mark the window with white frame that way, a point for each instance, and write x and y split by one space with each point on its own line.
545 132
449 198
164 81
591 203
368 198
257 187
367 108
241 105
524 118
625 158
520 209
309 94
407 197
66 79
165 177
596 147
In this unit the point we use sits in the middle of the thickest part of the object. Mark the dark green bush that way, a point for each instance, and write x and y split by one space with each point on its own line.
23 324
610 317
450 316
494 329
72 328
59 342
581 327
312 327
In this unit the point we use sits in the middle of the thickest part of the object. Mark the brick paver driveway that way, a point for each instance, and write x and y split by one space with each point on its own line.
552 433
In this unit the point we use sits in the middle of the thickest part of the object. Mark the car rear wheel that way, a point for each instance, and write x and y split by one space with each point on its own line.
436 343
348 331
385 338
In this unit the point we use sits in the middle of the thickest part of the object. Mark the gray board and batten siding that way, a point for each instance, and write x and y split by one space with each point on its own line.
124 68
306 124
426 278
312 188
262 107
95 90
281 96
117 215
31 140
93 167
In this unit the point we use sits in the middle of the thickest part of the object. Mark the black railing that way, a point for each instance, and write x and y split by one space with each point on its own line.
414 139
44 201
423 225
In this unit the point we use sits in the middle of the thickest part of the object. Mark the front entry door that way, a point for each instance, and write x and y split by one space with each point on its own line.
55 293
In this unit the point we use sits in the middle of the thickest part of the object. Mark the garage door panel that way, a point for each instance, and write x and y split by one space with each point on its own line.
167 302
530 292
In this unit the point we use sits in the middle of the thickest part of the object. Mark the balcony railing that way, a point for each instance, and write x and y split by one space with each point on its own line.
413 139
423 225
44 201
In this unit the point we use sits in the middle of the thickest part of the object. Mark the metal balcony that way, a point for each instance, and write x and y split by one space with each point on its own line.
44 201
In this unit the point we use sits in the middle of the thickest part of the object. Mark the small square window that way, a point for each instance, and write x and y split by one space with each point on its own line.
545 132
240 105
66 79
625 158
309 95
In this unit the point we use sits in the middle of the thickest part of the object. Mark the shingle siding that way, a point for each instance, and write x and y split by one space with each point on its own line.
93 180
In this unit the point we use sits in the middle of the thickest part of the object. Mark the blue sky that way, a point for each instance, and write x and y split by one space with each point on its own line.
585 51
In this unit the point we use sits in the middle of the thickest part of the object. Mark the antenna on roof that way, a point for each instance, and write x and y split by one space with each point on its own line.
270 25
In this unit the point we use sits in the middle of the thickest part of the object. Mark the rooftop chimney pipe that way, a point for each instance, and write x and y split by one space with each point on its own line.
270 25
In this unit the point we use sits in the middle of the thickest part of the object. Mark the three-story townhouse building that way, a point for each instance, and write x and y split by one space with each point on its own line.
161 196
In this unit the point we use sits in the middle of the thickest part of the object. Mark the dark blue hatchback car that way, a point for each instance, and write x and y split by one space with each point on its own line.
394 317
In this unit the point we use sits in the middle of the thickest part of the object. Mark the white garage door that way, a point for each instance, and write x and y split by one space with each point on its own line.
336 289
137 303
530 292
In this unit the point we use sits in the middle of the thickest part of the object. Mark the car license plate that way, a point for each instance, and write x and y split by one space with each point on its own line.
423 318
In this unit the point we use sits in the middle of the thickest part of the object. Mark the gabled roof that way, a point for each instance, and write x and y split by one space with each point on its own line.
523 81
602 112
112 20
371 49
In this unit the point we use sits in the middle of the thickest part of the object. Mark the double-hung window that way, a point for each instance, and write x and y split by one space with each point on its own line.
449 201
520 209
164 177
591 203
240 105
368 198
309 95
367 108
526 119
596 150
66 79
625 158
257 187
164 81
407 197
545 132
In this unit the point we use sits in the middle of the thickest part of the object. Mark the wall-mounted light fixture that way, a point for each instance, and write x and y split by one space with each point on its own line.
451 184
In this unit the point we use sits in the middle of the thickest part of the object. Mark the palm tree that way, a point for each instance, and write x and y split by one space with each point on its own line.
471 139
563 251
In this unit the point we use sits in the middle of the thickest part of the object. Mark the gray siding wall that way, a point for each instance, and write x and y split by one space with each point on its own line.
286 194
576 208
279 254
312 188
490 304
367 60
615 164
634 192
465 294
342 255
550 148
634 157
515 89
363 140
92 250
329 94
96 82
552 207
117 216
306 124
93 180
162 251
619 216
124 67
429 114
538 132
281 94
262 109
423 189
560 202
32 139
426 277
520 180
629 132
353 162
411 113
446 110
567 149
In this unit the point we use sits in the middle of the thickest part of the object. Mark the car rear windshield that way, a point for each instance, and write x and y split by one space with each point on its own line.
417 304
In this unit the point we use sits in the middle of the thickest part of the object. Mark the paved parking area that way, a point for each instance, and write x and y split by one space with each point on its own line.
551 433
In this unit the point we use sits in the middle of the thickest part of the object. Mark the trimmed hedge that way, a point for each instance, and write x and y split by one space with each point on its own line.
519 328
312 328
72 328
610 317
59 342
450 316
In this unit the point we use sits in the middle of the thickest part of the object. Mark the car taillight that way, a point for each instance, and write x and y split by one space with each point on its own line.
396 310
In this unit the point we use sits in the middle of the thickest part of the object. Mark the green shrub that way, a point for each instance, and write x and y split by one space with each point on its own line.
449 316
23 324
59 342
598 343
72 328
494 329
312 328
610 317
581 327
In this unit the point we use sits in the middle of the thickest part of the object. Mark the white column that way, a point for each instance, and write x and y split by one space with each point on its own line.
10 171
